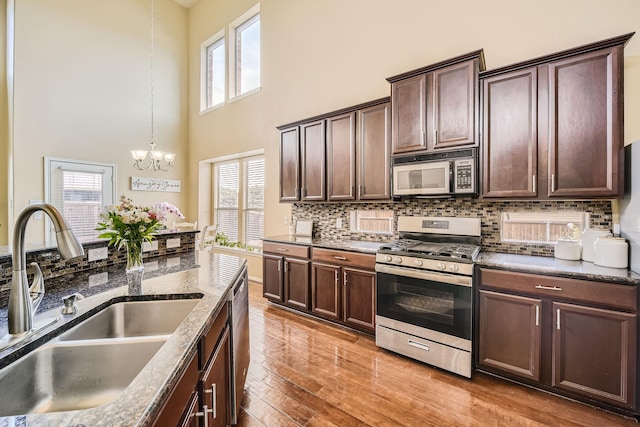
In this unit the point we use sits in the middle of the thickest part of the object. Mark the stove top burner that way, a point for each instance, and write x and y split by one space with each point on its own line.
409 247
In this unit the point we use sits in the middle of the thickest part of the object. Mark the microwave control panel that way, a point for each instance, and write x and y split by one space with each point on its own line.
464 176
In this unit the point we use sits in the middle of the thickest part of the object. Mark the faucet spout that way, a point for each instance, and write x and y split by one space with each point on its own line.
24 299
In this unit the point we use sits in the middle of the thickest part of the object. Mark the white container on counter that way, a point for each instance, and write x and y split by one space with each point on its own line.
611 252
589 237
567 249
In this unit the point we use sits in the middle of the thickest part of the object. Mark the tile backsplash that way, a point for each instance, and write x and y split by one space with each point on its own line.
324 217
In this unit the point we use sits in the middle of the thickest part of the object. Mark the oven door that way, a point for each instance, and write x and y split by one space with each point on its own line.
435 301
422 178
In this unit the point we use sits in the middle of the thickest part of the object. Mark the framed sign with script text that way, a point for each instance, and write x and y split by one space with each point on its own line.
156 184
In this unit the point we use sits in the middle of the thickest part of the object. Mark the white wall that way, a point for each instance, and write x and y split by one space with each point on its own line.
83 90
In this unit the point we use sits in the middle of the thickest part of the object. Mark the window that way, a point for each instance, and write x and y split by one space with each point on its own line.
239 199
542 227
244 58
213 72
80 190
377 221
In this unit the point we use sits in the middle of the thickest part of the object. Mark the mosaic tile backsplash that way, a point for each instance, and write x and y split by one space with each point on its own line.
324 217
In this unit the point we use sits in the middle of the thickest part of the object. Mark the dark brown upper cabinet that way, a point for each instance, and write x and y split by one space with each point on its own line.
436 107
552 127
339 156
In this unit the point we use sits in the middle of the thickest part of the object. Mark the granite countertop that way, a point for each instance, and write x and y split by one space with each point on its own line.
143 398
362 246
557 267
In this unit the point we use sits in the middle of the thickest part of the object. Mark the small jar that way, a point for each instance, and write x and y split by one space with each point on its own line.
567 249
611 252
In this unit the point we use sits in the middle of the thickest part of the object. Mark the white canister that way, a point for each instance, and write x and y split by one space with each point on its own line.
567 249
589 237
611 252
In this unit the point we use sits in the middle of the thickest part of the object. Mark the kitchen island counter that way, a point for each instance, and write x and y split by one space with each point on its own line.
362 246
140 403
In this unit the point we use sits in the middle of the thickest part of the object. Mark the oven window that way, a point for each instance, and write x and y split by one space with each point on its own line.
437 306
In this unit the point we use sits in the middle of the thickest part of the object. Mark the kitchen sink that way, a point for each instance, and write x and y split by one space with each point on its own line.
65 376
133 319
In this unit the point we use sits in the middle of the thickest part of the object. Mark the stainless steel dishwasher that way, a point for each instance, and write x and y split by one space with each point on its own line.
240 341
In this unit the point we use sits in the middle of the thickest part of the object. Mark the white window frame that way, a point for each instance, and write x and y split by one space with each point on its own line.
240 157
545 218
232 54
218 37
78 165
354 224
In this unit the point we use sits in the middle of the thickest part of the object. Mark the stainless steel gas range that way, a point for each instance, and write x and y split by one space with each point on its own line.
424 290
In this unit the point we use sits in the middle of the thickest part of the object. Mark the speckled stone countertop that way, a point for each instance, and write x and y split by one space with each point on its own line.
141 401
344 245
557 267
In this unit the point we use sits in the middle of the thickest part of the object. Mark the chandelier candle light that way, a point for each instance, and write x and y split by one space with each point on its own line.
152 159
130 225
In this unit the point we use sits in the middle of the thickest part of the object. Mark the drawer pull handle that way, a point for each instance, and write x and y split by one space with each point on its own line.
341 258
548 288
418 345
283 250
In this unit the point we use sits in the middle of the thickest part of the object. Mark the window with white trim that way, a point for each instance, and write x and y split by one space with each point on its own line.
79 190
374 221
542 227
239 199
244 53
213 71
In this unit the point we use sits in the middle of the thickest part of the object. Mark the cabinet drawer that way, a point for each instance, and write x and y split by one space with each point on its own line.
344 258
209 341
608 294
286 249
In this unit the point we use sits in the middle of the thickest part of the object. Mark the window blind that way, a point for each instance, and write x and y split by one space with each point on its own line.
227 198
254 201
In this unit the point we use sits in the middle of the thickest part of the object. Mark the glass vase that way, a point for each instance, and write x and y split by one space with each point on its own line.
134 256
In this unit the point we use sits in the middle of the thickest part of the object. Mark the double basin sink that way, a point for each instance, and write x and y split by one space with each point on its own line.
92 363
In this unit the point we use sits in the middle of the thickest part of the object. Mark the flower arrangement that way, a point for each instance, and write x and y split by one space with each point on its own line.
130 225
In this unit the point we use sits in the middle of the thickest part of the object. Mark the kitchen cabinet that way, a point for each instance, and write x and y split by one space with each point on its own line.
343 287
573 337
339 156
204 388
436 107
358 153
286 274
553 126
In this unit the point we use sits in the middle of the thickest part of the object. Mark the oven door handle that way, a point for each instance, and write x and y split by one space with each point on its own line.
425 275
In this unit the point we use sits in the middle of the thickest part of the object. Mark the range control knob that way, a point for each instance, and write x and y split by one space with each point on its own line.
398 260
388 258
441 266
454 268
418 262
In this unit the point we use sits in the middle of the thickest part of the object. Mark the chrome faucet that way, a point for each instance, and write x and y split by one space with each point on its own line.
24 300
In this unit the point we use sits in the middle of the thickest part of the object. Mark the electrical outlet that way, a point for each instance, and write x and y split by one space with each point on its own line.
173 243
97 254
339 223
286 220
148 247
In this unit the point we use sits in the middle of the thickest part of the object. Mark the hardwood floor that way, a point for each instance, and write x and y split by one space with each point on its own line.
306 372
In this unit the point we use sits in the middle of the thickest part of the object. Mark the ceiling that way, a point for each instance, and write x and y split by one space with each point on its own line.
186 3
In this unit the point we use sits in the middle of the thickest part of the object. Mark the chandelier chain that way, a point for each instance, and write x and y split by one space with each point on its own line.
152 75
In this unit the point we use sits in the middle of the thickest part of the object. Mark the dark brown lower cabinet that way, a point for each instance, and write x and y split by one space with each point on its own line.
285 274
509 329
216 383
594 353
359 301
573 337
326 298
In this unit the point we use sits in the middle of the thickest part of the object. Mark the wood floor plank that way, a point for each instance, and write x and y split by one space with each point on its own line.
306 372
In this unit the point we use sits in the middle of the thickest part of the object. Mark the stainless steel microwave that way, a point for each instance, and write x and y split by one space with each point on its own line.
436 174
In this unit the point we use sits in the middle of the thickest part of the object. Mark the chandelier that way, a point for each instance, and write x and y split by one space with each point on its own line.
152 159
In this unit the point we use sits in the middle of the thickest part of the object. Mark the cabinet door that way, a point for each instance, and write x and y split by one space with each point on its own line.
585 125
216 383
313 161
594 353
409 112
510 334
341 157
373 153
289 165
325 290
296 282
510 136
359 298
455 102
179 409
272 283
